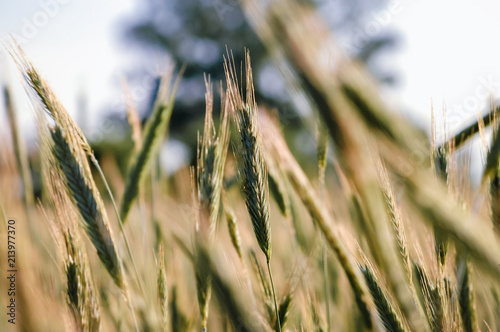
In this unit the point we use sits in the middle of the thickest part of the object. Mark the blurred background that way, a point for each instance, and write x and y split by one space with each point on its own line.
421 52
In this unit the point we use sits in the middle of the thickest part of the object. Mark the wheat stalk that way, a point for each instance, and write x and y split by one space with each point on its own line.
211 160
352 111
397 222
441 155
212 153
70 150
234 233
256 187
202 276
82 191
153 135
322 152
162 290
52 106
466 298
387 314
80 289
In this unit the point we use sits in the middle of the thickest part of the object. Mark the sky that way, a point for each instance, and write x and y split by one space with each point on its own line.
448 53
75 44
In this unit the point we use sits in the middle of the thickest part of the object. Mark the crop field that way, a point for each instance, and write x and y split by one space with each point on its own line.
385 233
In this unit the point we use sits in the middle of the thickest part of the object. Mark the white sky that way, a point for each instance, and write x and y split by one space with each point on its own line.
77 49
448 49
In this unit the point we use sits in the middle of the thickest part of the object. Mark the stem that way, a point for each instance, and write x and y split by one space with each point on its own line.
154 182
274 295
129 302
326 285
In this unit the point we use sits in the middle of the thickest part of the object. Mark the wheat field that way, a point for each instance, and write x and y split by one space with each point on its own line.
387 233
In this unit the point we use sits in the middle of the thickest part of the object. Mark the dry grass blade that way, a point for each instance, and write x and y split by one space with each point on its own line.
153 135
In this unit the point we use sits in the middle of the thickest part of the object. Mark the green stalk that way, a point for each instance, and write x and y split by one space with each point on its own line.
322 151
274 295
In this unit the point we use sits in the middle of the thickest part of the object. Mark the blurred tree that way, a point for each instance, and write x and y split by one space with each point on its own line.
196 33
